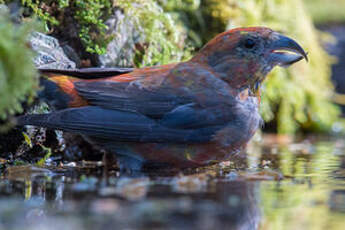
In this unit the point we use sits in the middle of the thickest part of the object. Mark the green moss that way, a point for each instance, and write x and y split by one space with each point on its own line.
88 14
161 39
18 77
41 13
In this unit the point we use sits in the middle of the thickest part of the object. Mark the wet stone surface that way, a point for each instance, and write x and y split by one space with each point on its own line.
284 186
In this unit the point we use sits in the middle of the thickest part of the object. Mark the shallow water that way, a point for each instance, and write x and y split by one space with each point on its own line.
283 186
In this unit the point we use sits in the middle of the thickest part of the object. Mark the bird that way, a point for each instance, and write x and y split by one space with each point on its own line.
180 115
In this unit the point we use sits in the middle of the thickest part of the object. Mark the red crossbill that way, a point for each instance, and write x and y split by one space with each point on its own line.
185 114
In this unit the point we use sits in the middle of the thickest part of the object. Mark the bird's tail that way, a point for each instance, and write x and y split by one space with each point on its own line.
32 119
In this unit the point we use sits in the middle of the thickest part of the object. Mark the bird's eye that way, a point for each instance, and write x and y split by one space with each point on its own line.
249 43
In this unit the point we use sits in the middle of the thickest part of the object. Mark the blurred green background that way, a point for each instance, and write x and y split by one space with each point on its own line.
294 100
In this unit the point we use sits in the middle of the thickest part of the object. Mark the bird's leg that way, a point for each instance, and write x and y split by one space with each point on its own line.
105 168
106 162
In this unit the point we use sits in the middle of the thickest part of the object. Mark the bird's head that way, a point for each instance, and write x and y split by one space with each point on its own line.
244 56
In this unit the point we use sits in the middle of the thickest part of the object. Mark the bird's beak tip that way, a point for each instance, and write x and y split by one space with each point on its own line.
306 57
280 45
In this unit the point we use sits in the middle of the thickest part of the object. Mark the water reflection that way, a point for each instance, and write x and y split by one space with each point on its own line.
311 195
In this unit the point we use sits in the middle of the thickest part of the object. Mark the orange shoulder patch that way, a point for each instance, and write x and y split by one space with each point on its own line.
66 84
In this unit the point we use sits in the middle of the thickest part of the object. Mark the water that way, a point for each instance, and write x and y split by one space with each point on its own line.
282 186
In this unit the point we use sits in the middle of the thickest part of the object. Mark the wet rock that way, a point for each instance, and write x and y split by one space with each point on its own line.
71 54
50 53
26 172
121 50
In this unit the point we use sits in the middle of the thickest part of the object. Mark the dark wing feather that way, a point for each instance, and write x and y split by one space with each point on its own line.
127 112
117 125
88 73
192 116
130 97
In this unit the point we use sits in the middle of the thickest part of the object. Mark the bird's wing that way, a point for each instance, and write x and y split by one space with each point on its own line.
116 125
123 111
59 86
139 111
128 96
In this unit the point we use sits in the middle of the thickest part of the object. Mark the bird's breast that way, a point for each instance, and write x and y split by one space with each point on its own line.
245 121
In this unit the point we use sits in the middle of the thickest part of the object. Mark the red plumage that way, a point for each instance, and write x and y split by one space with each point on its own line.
185 114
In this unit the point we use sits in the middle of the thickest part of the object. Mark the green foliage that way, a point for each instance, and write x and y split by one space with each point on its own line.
88 14
161 39
40 13
43 160
323 11
18 77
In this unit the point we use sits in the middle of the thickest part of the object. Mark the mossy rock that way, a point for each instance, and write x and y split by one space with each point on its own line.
160 39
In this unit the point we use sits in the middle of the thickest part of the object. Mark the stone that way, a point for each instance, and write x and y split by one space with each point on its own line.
121 50
50 53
